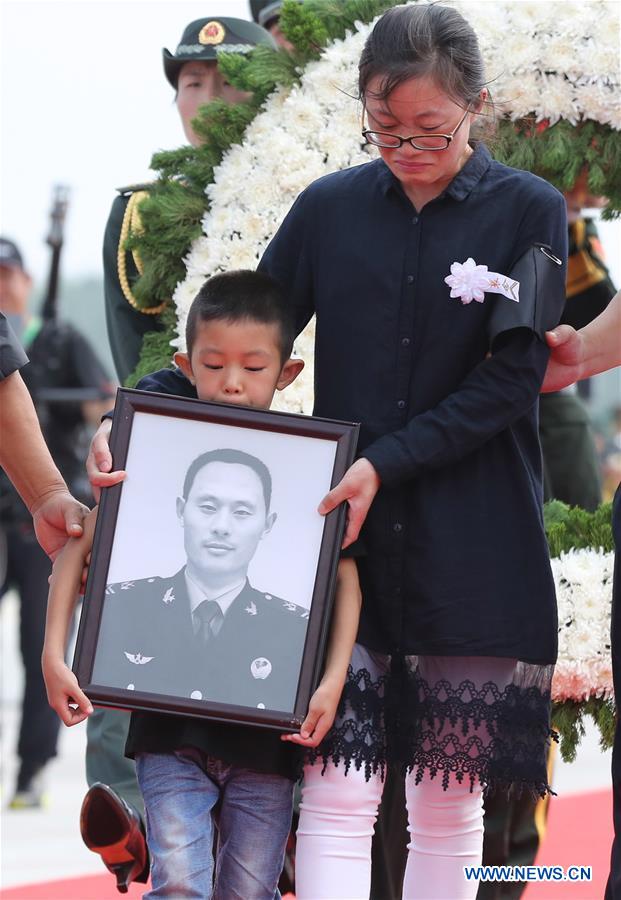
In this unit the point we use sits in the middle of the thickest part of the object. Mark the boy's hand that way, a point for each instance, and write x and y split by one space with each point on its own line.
321 712
64 693
358 487
99 461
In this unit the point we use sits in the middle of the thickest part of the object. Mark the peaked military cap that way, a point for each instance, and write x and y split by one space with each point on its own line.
203 39
10 257
265 11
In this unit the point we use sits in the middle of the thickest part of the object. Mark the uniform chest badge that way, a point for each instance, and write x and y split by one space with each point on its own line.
469 282
137 658
260 667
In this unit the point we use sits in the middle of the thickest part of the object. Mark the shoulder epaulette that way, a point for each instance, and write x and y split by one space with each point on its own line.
132 188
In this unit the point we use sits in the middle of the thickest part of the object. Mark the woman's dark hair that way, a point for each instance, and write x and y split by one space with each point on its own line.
423 40
242 294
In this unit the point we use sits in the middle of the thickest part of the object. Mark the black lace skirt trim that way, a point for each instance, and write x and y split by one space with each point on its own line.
358 736
472 730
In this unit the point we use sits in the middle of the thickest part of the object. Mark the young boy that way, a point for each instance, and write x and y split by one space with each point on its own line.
239 339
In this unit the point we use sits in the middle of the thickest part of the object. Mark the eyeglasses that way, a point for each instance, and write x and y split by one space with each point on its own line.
418 141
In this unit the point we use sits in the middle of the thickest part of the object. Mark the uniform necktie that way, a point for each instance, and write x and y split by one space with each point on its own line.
209 615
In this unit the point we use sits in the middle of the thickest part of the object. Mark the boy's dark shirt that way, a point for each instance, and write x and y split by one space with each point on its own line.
250 748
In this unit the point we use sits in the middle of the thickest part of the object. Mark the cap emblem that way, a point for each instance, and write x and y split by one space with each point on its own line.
211 33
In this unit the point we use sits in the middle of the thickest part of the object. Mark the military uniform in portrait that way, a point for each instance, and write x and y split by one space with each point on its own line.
148 642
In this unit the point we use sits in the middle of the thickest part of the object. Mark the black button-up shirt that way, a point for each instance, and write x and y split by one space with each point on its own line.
456 560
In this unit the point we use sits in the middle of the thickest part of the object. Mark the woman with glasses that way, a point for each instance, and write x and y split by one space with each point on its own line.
433 272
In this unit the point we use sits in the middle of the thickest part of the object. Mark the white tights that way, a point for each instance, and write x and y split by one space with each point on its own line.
337 817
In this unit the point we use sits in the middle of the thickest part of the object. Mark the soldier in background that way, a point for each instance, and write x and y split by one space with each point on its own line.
25 458
193 73
112 816
62 364
266 13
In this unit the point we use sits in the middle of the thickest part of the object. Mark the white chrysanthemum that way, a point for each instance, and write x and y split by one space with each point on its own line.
525 52
557 100
570 39
583 580
207 256
601 98
238 165
565 54
302 113
521 97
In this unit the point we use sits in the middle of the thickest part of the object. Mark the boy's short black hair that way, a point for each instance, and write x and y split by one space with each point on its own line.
242 294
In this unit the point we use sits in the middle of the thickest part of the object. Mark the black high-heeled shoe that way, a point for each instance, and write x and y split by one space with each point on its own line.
111 828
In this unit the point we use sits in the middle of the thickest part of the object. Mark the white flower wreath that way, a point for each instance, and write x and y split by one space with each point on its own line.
556 60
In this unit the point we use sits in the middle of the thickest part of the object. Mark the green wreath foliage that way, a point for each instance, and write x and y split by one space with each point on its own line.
560 152
569 720
570 527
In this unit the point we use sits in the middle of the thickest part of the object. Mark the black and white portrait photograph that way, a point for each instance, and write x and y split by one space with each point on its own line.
212 569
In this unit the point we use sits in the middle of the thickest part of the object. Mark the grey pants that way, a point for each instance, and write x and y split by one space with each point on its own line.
106 733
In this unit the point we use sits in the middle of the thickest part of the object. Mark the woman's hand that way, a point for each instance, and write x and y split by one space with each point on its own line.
321 712
99 461
358 487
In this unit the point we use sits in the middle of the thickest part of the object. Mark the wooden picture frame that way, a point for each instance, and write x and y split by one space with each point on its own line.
143 642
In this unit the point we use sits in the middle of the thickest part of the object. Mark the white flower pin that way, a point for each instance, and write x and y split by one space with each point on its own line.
471 282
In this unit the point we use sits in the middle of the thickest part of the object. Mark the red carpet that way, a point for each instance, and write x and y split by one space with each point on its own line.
579 833
90 887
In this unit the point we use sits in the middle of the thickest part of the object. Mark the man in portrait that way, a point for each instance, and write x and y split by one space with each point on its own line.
205 633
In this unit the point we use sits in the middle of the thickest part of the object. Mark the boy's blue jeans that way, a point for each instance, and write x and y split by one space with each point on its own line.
180 792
